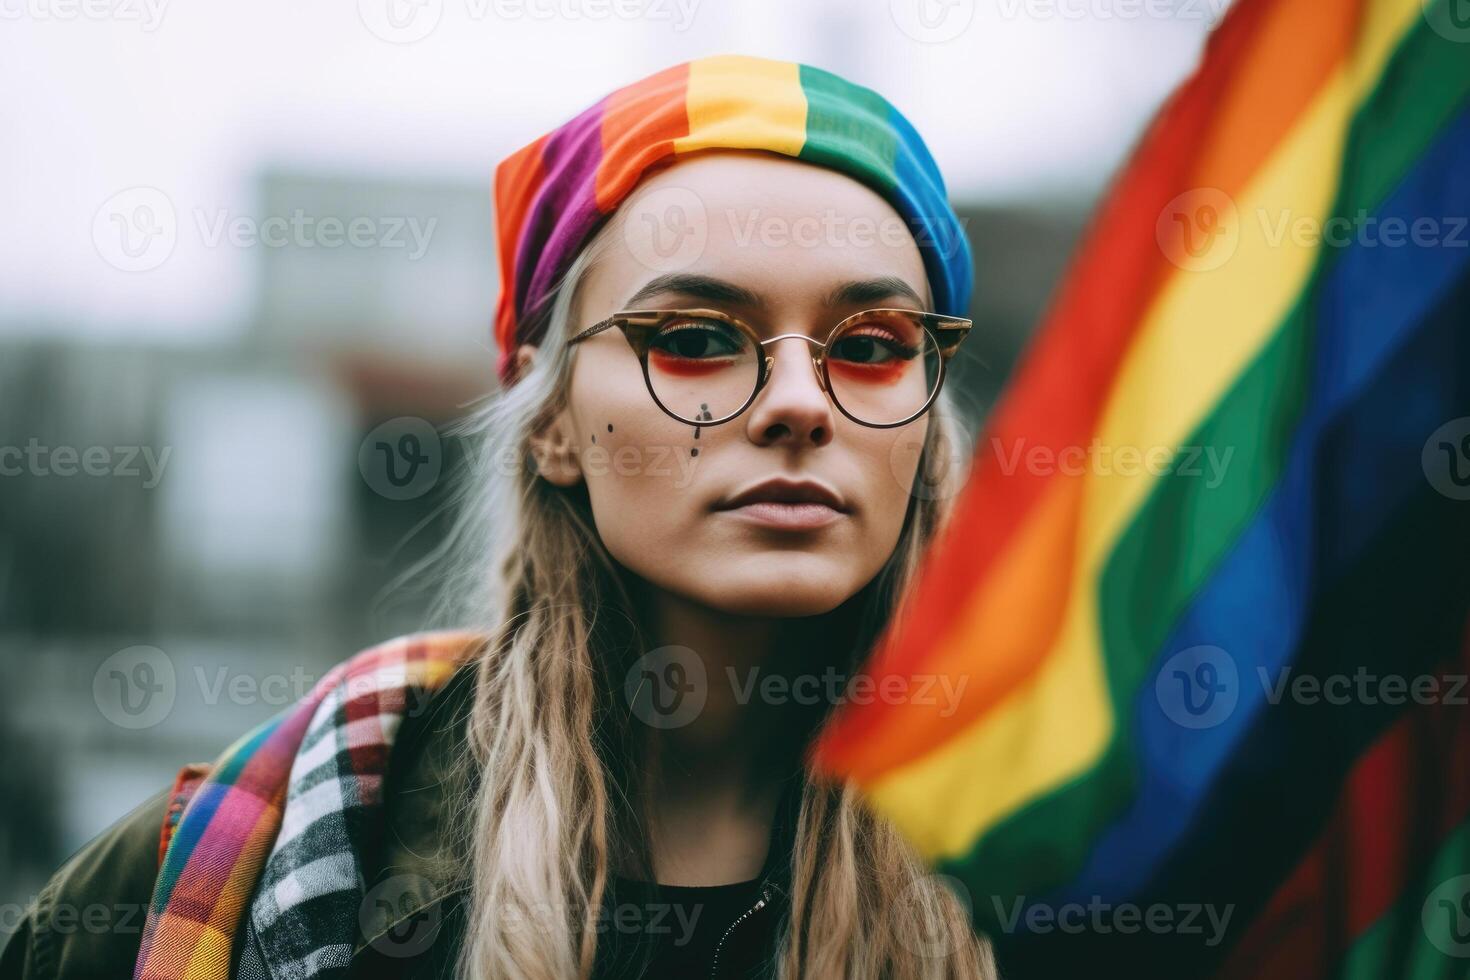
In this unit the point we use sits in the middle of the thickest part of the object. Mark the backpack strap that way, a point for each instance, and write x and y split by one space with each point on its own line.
185 784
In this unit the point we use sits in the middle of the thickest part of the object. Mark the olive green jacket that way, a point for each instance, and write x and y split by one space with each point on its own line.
87 922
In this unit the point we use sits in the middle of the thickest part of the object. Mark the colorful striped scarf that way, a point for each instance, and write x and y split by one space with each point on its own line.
1234 457
283 815
553 194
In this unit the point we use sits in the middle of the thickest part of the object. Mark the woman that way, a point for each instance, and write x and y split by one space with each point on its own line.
723 379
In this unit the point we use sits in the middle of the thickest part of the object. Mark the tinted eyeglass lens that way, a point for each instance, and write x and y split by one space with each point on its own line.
702 368
883 367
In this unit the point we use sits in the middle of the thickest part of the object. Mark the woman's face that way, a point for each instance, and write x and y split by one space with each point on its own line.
787 247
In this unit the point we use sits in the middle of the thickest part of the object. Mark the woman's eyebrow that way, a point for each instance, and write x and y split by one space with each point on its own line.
706 288
871 290
715 290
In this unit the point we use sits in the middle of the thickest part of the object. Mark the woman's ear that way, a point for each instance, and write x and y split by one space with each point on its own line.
555 451
525 357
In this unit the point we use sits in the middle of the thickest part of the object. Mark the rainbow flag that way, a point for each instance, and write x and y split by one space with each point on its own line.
1204 598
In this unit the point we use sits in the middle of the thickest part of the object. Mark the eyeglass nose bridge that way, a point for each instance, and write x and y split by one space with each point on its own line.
817 360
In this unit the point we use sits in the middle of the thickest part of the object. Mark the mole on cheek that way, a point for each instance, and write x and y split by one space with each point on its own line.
704 415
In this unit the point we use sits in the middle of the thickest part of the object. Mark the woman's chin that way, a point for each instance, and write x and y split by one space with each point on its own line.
777 598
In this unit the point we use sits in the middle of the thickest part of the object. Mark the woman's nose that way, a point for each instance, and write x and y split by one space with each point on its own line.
793 405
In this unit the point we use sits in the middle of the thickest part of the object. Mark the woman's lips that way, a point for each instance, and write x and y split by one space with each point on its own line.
803 516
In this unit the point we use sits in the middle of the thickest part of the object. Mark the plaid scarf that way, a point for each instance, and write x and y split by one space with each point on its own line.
283 816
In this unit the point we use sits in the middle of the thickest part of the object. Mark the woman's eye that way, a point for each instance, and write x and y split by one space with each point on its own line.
696 339
871 348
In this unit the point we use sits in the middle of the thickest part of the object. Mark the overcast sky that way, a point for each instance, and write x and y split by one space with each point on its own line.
1018 99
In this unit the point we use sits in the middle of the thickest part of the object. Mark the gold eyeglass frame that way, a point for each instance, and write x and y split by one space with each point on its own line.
639 327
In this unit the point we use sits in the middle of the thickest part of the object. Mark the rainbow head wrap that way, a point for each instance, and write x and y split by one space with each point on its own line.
553 194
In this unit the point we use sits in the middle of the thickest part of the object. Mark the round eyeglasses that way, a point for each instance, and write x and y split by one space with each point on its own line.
881 368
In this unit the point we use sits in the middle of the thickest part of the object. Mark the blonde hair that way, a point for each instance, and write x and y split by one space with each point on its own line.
551 737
